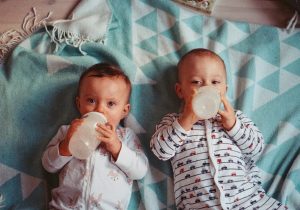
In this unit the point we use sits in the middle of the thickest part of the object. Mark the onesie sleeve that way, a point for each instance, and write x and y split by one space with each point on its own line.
52 161
168 137
132 160
247 137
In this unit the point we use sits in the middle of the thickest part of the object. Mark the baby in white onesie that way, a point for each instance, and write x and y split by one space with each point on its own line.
104 180
213 160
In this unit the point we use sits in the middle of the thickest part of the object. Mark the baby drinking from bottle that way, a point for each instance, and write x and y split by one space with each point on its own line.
97 159
212 151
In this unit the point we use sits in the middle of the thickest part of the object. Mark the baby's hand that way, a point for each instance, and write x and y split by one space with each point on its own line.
227 115
188 117
64 145
108 137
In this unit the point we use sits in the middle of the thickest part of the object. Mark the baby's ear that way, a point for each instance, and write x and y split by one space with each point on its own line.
126 110
178 90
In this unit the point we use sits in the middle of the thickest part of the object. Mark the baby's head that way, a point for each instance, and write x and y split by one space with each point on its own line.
200 67
106 89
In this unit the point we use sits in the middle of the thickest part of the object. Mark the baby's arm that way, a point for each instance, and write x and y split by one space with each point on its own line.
52 159
131 158
243 131
169 135
247 136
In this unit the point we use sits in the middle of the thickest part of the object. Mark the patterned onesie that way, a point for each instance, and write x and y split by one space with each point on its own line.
214 168
98 182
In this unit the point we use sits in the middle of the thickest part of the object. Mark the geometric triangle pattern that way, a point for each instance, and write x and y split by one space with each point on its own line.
147 38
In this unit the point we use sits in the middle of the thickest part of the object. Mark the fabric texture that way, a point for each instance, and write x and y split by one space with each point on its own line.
146 38
99 181
213 168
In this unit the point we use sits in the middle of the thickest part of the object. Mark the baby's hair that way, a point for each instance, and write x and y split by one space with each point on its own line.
200 52
105 70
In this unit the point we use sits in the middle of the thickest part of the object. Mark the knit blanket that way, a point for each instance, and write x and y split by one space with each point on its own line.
146 38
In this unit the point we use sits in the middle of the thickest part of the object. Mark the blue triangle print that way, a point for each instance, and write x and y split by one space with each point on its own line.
248 70
11 192
271 82
135 200
172 9
293 40
173 33
161 190
294 176
220 35
264 42
195 23
293 67
37 200
242 26
149 45
149 21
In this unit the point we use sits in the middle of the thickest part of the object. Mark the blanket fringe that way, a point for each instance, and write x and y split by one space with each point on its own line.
293 22
59 36
11 38
1 201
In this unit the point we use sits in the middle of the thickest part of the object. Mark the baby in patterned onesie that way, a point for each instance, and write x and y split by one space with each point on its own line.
104 180
213 160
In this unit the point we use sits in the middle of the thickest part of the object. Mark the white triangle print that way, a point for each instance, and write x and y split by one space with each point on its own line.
141 78
140 9
186 12
141 33
284 34
166 45
142 57
134 125
6 173
292 193
187 34
26 44
237 59
286 132
235 35
43 47
213 45
210 25
29 183
165 21
56 63
253 27
287 81
151 200
262 96
263 68
288 54
265 176
240 84
154 176
275 182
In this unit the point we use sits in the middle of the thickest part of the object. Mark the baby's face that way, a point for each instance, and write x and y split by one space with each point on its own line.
196 71
106 95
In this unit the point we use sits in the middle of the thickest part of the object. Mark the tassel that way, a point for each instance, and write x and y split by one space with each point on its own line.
11 38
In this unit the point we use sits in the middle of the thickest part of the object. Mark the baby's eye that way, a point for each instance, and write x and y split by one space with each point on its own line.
196 82
91 100
215 82
111 103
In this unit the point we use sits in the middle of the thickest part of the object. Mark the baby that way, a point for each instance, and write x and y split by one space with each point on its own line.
213 160
104 180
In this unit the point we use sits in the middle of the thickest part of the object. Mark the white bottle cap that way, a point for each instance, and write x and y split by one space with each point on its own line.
84 141
206 102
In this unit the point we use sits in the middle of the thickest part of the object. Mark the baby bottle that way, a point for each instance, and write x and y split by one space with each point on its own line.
84 141
206 102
